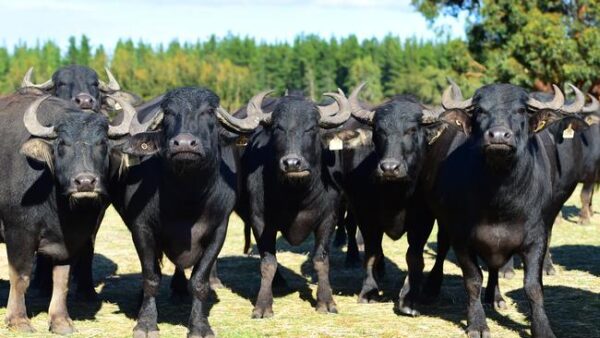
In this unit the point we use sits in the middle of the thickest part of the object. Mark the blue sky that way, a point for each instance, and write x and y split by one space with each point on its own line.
161 21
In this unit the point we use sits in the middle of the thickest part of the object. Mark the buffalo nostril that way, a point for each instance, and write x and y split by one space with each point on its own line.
193 143
507 135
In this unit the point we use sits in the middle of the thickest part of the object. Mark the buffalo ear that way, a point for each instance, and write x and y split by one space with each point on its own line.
458 119
568 126
38 150
433 131
541 119
143 144
592 119
110 105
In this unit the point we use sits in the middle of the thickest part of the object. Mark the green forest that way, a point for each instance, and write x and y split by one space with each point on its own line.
530 43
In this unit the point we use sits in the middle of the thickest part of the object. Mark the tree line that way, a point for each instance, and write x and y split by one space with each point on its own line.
236 67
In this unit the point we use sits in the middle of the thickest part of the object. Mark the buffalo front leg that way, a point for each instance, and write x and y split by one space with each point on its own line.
352 256
373 254
198 324
476 323
83 272
60 322
266 242
325 302
433 283
533 264
20 250
585 215
145 245
492 291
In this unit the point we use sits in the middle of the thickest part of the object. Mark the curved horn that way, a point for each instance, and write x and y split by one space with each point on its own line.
557 102
112 85
361 114
128 115
254 108
33 126
137 127
452 98
342 114
28 83
578 104
254 115
592 107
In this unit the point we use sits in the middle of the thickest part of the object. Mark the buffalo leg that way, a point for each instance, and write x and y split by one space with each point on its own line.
200 285
247 239
145 245
373 253
533 261
340 231
418 233
492 291
472 277
215 282
325 302
585 214
60 322
42 277
508 270
83 273
266 242
179 287
433 284
20 251
549 269
352 256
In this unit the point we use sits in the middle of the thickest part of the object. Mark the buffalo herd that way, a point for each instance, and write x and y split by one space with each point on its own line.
493 170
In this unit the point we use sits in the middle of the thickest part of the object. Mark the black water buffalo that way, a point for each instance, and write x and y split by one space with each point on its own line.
288 188
490 188
53 192
380 179
178 199
590 174
81 85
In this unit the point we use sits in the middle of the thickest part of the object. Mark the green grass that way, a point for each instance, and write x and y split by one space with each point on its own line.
572 297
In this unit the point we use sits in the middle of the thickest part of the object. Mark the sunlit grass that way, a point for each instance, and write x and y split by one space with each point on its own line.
572 297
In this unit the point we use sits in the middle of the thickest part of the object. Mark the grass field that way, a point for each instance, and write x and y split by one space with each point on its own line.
572 297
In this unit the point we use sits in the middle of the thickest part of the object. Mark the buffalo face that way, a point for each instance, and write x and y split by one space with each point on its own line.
399 140
187 135
295 137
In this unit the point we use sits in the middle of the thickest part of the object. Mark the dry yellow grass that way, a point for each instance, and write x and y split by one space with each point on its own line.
572 297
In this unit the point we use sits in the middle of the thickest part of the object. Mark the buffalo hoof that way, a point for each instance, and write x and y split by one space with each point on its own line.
407 307
144 331
262 312
507 273
20 324
215 283
369 297
204 332
584 221
549 270
62 326
326 307
483 333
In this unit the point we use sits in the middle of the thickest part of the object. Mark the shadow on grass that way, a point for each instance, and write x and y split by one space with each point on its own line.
570 213
578 257
572 312
126 292
78 309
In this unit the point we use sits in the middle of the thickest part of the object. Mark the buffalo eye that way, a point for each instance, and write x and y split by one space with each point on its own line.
310 129
411 130
101 143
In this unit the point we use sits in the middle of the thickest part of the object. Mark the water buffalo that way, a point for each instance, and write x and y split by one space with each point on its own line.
288 188
178 199
490 188
81 85
379 179
53 192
